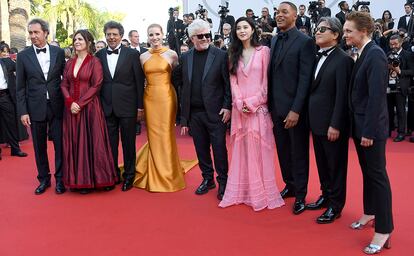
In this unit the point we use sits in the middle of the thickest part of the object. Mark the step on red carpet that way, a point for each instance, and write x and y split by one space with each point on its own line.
142 223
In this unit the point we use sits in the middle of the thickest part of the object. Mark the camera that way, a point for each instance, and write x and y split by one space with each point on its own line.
313 11
394 59
201 12
224 9
359 3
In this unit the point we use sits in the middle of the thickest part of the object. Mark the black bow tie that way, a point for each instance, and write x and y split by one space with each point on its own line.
109 52
282 35
40 50
324 53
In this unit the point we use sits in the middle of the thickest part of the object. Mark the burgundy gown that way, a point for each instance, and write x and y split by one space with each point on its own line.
87 157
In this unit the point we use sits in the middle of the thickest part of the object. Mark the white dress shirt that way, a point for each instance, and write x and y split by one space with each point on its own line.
113 60
44 61
3 82
322 59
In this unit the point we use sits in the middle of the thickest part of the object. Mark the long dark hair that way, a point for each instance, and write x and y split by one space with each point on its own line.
383 14
236 47
87 36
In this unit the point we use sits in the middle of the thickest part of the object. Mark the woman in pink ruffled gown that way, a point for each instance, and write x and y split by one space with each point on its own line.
251 178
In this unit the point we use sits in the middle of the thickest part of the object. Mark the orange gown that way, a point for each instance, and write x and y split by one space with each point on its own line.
158 167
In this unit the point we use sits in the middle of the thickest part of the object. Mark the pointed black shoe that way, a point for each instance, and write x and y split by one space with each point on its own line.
286 192
127 185
322 202
42 187
60 188
299 206
328 216
205 186
18 153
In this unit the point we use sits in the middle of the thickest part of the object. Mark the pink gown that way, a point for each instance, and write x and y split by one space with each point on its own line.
251 178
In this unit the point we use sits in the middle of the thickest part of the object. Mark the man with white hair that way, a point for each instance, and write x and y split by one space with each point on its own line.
203 78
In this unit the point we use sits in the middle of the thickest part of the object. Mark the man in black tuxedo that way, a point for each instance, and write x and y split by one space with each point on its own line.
8 117
121 97
40 101
328 118
343 5
203 78
133 36
400 80
290 76
406 20
302 20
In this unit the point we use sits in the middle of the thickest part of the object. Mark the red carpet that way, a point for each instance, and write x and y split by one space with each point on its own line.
142 223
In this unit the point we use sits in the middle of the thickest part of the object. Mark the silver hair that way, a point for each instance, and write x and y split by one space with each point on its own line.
197 25
334 24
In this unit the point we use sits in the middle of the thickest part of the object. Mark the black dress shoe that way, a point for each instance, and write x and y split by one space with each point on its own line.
299 206
322 202
60 188
328 216
42 187
18 153
205 186
286 192
400 137
220 192
127 185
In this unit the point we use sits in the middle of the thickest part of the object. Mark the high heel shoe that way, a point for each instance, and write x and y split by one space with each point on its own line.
374 249
359 225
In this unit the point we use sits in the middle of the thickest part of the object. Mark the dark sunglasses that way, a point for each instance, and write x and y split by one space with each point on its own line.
201 36
322 29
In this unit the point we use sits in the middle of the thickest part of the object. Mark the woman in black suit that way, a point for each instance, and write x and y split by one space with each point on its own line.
368 106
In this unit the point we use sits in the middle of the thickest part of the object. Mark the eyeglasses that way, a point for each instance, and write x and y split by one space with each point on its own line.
322 29
201 36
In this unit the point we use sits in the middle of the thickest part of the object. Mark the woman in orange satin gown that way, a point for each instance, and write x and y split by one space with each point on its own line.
158 167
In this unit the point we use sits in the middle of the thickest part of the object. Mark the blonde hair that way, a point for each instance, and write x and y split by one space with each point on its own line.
155 25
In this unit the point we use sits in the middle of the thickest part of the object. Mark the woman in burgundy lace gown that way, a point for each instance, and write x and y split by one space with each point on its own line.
87 157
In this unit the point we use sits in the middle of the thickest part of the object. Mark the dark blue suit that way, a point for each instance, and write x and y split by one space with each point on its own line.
368 108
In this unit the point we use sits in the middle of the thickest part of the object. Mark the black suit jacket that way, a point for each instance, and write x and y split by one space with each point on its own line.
402 23
122 94
215 84
368 94
9 69
325 12
300 24
328 100
293 73
341 17
31 85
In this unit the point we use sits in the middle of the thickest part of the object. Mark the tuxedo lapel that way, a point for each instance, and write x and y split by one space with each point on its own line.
359 62
325 64
53 56
35 61
289 42
210 58
105 64
190 65
3 66
121 60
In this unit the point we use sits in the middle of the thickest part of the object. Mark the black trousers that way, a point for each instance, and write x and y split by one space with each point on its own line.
39 133
377 189
397 101
332 163
410 113
293 152
125 126
208 134
8 121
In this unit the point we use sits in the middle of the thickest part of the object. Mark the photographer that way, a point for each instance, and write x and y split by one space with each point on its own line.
266 24
203 14
323 11
401 71
225 17
175 30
